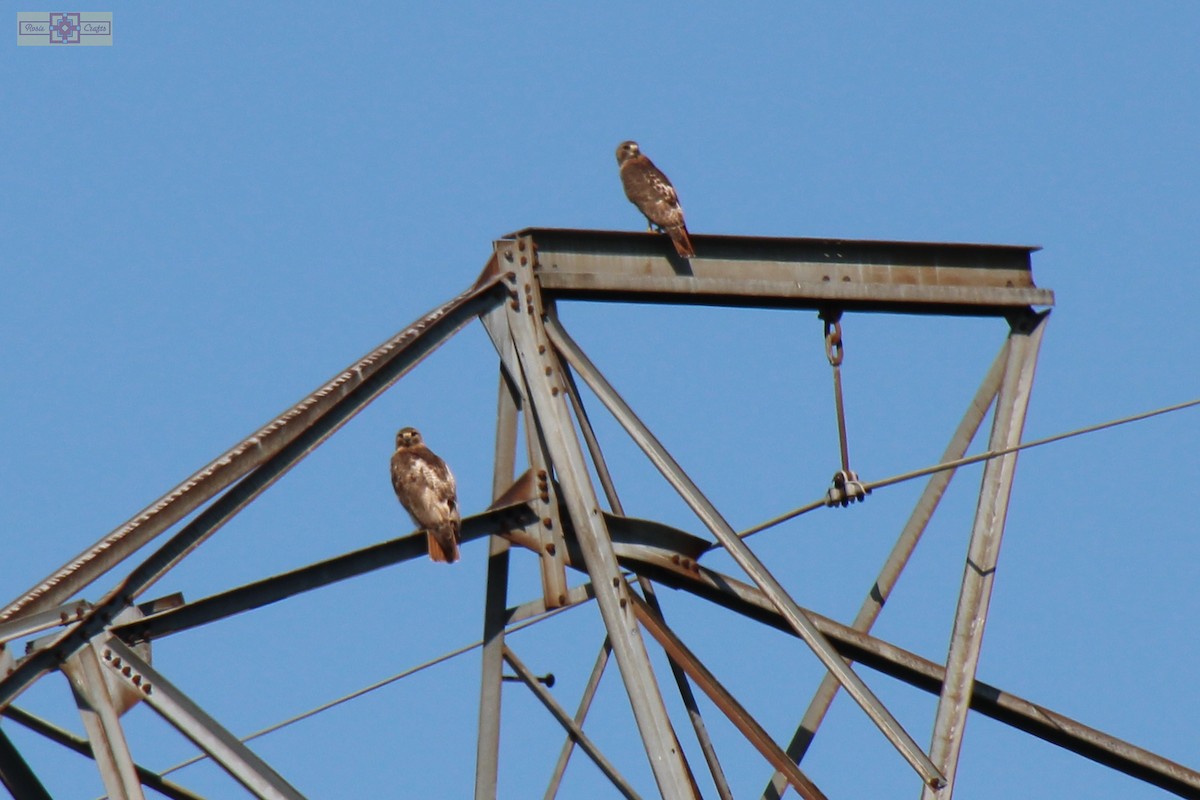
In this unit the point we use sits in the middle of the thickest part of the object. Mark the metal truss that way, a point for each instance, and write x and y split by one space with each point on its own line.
574 523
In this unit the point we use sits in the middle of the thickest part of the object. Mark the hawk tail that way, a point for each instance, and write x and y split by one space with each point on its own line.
679 238
443 543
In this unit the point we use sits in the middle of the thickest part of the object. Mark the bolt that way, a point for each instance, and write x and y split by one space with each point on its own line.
508 256
546 680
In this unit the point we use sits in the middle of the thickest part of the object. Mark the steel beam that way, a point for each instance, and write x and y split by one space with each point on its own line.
543 376
374 372
614 502
103 726
743 555
83 747
576 732
720 696
423 338
16 776
966 639
928 676
314 576
487 747
896 561
585 705
175 707
904 277
549 525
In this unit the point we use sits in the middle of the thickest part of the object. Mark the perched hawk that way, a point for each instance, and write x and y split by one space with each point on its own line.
649 190
425 487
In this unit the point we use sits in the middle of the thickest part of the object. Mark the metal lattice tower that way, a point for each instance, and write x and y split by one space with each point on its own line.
574 523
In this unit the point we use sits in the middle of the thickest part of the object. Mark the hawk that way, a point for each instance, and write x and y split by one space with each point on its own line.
425 487
649 190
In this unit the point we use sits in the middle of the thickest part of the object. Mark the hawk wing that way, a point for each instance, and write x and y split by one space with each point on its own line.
426 488
649 189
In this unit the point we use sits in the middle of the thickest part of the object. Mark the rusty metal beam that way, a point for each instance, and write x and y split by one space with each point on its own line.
903 277
614 501
487 745
150 779
743 555
970 619
174 706
585 704
421 339
543 376
373 373
288 584
928 676
708 683
103 725
911 534
576 732
15 774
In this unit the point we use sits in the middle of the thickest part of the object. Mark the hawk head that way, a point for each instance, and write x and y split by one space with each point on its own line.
408 437
626 151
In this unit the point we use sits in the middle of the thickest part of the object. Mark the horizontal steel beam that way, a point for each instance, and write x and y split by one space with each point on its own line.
903 277
288 584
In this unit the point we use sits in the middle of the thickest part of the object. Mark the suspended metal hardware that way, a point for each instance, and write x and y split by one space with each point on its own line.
846 488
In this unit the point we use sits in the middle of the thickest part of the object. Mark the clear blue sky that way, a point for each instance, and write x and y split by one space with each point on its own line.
205 221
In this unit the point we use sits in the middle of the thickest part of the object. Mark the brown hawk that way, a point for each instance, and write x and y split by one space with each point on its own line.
425 487
649 190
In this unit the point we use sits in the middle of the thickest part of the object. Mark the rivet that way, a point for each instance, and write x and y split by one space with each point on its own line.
521 245
551 549
508 256
524 261
127 672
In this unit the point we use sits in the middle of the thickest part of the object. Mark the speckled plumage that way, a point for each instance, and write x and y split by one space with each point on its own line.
425 487
649 189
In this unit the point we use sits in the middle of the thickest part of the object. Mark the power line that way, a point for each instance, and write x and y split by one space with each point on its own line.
372 687
962 462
